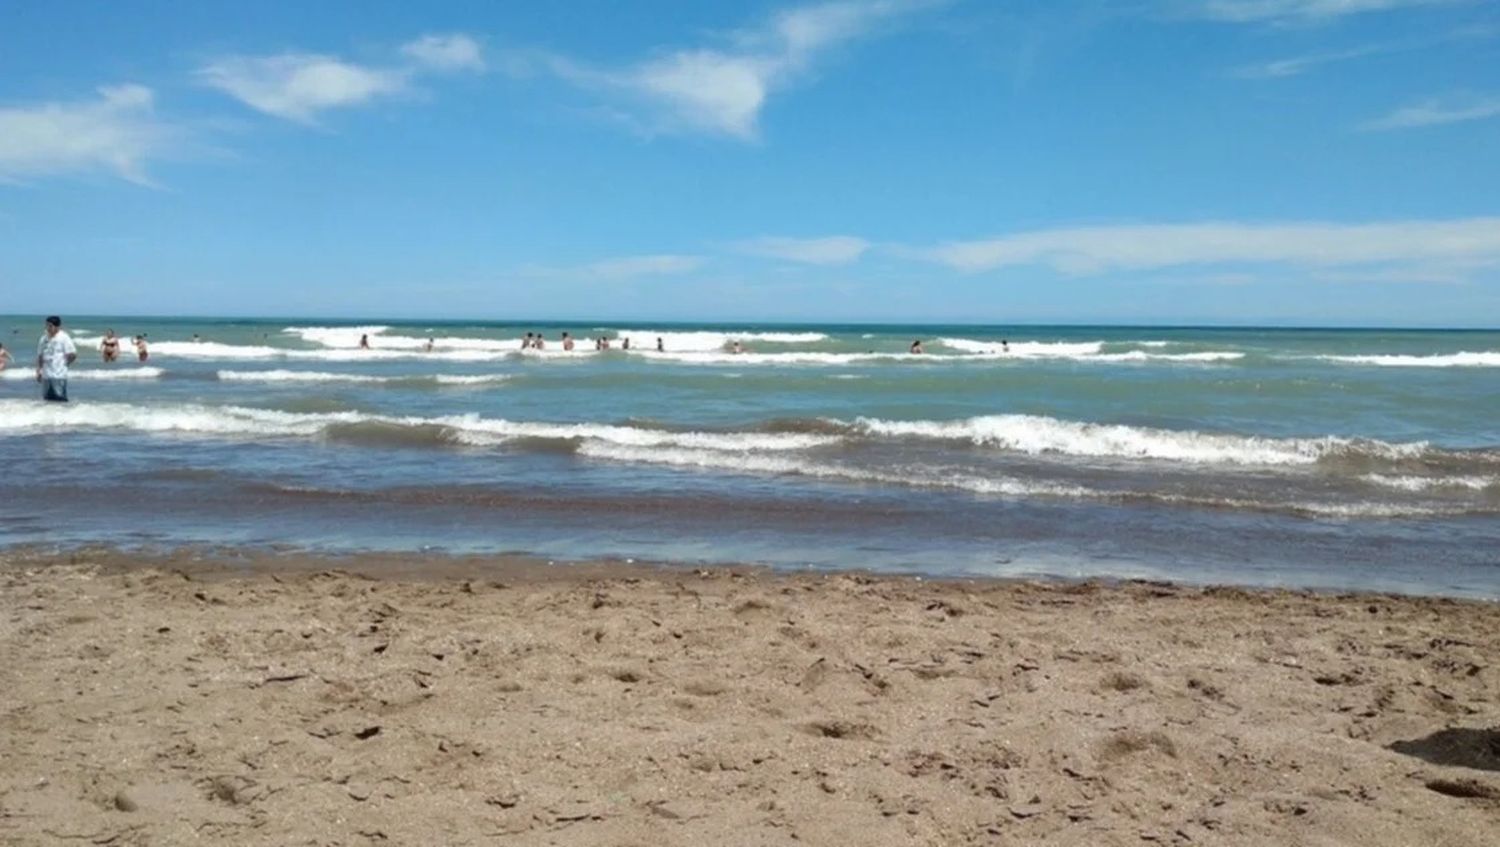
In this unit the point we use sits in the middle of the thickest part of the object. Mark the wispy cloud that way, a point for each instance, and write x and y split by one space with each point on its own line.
833 250
1294 11
116 133
454 52
299 86
1438 111
722 91
1468 242
1298 65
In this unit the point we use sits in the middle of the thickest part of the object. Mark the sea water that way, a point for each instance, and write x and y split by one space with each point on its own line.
1325 458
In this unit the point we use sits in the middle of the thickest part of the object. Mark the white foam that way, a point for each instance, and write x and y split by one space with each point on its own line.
1142 356
787 465
1314 508
22 416
806 358
706 342
1025 349
469 379
487 431
344 337
296 376
1427 483
326 376
252 352
1037 434
26 416
87 374
347 338
1465 359
333 336
1090 351
213 350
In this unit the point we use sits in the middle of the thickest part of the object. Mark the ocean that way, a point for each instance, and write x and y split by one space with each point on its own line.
1334 459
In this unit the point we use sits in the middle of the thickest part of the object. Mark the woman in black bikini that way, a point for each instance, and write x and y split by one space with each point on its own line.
110 346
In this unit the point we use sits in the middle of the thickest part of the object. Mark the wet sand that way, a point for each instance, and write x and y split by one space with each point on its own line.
285 700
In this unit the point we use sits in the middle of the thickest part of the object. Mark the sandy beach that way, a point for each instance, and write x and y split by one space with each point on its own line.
285 700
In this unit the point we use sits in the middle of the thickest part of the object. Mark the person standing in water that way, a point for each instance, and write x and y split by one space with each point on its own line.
140 348
567 342
916 347
110 346
660 348
4 357
364 342
54 353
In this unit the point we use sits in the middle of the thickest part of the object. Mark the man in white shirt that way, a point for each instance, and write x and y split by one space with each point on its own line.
53 355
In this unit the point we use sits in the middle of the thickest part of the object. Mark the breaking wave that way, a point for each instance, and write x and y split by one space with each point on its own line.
26 374
1485 359
1036 434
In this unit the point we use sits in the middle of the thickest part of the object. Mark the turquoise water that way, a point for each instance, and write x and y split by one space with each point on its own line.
1337 458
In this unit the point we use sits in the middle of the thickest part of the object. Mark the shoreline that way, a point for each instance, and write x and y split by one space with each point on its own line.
207 561
181 700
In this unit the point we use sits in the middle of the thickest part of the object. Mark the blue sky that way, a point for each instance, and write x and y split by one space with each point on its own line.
1321 162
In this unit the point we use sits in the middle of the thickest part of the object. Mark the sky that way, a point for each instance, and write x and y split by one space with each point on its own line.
1297 162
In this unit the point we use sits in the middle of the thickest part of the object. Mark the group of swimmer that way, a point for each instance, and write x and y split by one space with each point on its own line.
109 347
537 341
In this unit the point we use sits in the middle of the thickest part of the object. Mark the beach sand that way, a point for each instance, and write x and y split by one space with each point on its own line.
282 700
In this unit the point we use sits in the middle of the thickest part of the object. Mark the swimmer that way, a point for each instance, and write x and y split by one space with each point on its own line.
364 342
660 348
736 348
140 348
916 347
567 342
427 348
1004 346
625 343
539 344
4 357
603 342
526 342
196 339
110 346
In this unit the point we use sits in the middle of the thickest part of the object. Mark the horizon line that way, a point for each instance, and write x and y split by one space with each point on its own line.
553 321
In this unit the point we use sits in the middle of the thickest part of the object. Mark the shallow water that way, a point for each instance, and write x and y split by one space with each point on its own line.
1367 459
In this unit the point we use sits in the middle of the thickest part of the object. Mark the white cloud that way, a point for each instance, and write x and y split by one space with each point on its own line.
833 250
455 52
721 91
117 132
1433 112
297 86
1296 11
1470 243
1298 65
629 267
